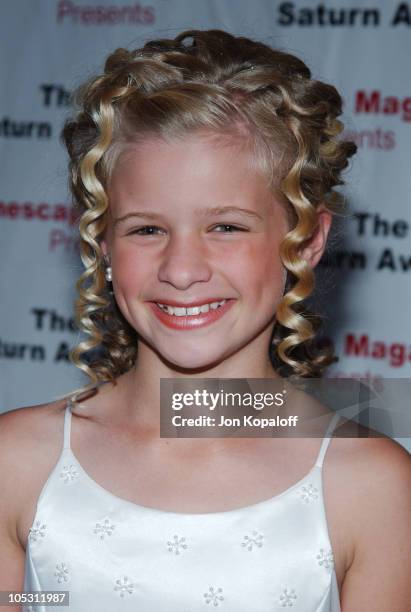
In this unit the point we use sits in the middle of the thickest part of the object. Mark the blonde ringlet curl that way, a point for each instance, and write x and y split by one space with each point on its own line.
228 85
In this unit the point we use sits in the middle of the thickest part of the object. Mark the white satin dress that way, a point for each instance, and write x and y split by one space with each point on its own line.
112 554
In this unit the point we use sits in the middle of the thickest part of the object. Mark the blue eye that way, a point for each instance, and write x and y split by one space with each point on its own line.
147 230
141 230
236 228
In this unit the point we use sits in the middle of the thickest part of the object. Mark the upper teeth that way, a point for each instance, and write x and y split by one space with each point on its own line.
180 311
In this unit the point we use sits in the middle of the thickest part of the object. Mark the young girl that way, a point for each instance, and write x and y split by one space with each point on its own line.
203 168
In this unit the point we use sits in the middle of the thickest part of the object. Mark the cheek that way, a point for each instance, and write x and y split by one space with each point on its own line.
263 260
130 268
259 272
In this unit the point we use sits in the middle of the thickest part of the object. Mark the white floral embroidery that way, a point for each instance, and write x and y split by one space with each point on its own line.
325 558
62 572
214 596
287 598
124 585
69 473
309 493
104 528
255 540
38 531
176 545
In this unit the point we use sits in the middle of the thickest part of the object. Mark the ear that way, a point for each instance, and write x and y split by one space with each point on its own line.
104 248
315 246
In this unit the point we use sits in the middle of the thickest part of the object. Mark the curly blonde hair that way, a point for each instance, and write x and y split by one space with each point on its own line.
168 88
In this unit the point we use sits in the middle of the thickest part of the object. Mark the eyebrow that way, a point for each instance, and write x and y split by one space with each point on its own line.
215 210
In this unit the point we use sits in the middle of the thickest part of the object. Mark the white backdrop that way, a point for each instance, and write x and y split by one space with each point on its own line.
50 46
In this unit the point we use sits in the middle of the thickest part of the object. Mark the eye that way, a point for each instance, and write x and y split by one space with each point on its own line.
234 227
149 230
143 231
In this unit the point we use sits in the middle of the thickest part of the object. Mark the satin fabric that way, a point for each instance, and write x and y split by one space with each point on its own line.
112 554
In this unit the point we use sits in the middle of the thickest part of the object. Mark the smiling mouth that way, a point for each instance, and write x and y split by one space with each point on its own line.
182 311
192 317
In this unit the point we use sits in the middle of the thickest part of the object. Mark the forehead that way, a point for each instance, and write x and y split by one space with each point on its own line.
205 163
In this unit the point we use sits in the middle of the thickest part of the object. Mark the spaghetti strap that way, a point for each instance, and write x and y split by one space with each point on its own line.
326 439
67 423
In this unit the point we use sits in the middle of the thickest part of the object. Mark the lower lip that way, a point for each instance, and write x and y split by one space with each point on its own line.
191 321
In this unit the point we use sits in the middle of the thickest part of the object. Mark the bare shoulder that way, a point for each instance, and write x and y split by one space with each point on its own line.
373 499
29 432
374 475
30 443
371 456
371 461
28 425
388 466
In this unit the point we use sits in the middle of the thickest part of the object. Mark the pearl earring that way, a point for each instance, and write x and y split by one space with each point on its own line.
108 274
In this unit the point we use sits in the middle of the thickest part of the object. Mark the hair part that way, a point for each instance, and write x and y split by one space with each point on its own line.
224 86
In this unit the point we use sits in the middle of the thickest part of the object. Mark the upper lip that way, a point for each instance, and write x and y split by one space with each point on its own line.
191 304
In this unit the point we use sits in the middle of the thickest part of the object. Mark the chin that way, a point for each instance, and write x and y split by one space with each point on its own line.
190 363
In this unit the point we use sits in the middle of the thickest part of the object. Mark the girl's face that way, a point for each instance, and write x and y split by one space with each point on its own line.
192 222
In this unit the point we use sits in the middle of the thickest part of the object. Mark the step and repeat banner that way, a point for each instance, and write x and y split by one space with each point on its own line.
49 47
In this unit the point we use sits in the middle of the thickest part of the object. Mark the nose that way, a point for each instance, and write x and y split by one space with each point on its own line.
184 262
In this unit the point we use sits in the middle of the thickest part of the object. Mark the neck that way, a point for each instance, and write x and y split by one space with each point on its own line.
139 388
